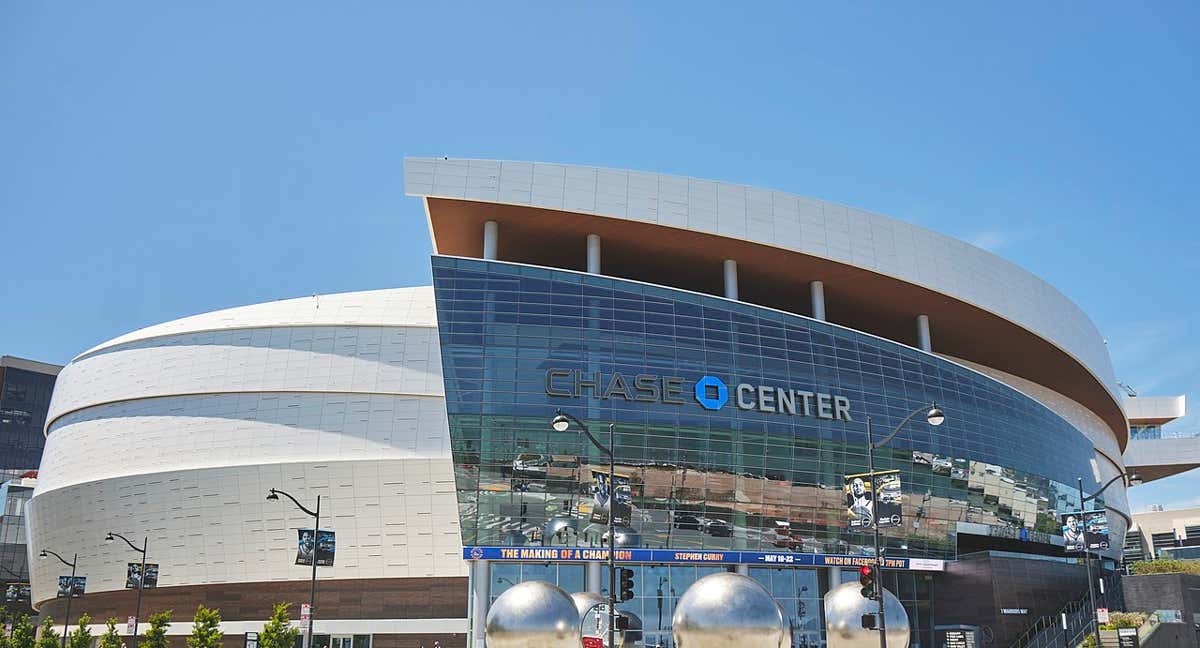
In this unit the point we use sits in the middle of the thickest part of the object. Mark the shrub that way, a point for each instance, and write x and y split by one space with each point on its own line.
1166 566
206 629
156 635
279 632
1124 620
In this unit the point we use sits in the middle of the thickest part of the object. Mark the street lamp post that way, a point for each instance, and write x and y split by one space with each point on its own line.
561 422
137 614
934 417
273 495
1087 555
70 586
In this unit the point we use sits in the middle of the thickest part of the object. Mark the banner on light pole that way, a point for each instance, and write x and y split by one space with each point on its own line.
860 510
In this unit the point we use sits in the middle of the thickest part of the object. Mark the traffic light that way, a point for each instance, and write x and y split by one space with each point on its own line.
626 576
866 578
868 621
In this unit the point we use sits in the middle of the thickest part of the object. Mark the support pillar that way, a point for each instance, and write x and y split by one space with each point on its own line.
591 577
593 254
481 579
835 576
923 340
742 569
731 283
491 239
818 300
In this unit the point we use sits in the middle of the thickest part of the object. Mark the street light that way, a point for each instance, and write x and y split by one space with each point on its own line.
561 423
273 496
137 615
1131 479
933 416
70 586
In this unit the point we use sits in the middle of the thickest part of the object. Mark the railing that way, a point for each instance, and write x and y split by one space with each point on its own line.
1048 631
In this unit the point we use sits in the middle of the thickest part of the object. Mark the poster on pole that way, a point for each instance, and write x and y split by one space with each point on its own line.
17 593
600 498
1088 528
859 507
71 587
133 576
323 547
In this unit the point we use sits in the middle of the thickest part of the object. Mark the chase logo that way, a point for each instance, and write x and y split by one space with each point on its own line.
711 393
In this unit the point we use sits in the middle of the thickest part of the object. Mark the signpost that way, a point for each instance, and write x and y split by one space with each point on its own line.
1127 637
956 637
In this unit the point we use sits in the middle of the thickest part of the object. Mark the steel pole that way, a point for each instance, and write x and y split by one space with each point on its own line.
70 595
612 538
1087 560
137 614
312 588
875 524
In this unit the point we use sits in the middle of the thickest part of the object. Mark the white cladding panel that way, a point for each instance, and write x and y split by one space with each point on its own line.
393 519
843 234
178 431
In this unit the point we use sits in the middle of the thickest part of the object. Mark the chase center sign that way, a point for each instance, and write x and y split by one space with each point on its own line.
709 391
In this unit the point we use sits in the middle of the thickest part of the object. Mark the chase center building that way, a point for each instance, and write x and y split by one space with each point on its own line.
736 338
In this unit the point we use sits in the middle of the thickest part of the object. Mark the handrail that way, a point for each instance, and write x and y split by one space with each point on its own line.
1047 631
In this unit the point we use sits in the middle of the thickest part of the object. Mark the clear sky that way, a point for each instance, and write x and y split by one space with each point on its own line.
164 159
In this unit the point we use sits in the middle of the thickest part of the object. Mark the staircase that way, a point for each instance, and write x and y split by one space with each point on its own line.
1048 631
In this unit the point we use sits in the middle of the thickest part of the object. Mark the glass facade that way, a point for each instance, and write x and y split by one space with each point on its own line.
24 400
518 342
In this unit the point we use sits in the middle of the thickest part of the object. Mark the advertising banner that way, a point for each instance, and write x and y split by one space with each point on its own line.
859 508
71 588
323 547
1089 528
133 576
600 498
17 593
691 556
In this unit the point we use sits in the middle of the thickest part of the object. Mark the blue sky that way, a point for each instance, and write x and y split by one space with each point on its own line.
163 159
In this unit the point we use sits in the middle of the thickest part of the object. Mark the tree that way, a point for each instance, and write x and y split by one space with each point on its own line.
22 636
47 638
156 635
81 636
206 629
279 631
111 638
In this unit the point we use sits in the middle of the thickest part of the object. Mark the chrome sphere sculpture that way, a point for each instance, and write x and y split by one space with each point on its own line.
844 609
723 610
533 614
626 537
586 602
559 528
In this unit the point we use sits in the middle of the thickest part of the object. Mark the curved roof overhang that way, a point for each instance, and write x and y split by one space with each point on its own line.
778 278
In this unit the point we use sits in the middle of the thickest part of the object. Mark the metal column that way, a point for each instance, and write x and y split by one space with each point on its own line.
592 577
593 254
481 578
731 282
818 299
923 340
491 239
